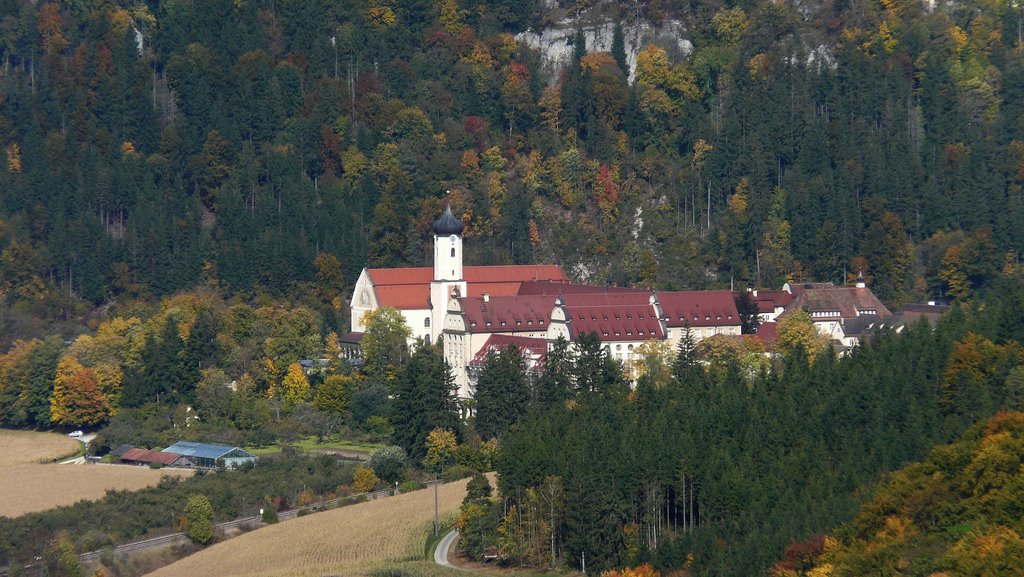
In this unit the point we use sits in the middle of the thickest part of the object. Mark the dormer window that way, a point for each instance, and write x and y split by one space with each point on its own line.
718 318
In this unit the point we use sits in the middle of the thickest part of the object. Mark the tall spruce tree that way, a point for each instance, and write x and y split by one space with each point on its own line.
555 387
502 395
423 400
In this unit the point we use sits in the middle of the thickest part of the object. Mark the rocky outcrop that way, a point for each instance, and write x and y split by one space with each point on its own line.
555 42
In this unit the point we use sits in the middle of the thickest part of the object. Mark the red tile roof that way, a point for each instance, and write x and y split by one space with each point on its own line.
401 276
614 317
494 289
415 296
768 333
508 313
767 301
535 351
698 308
409 288
513 273
557 287
603 299
150 456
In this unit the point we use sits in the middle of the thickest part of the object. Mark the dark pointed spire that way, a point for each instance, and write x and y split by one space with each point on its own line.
448 224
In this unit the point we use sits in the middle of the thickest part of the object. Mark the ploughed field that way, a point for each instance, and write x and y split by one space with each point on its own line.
20 447
346 541
30 486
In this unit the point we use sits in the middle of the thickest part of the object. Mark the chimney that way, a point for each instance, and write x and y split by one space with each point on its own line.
860 280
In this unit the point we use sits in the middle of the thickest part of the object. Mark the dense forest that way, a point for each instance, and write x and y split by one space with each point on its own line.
275 148
958 511
718 469
188 191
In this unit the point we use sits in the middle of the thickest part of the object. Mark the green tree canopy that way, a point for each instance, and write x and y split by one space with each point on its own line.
385 342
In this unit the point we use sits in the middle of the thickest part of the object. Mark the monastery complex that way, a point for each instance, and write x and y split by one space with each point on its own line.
475 309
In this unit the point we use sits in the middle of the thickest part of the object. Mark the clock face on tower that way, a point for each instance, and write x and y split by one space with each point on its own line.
452 238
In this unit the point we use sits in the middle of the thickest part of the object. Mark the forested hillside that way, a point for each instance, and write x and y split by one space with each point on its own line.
718 470
277 147
956 513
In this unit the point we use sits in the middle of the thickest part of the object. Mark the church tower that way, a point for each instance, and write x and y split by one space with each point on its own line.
447 268
448 247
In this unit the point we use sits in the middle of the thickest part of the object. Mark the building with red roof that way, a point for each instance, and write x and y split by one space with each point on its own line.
843 313
704 313
622 320
770 303
476 309
135 456
534 352
421 293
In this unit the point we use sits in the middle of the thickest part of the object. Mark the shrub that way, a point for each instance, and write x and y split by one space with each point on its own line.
364 479
409 486
456 472
388 464
199 514
379 426
269 512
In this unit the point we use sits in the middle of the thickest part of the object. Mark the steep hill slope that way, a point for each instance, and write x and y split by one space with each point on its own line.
959 512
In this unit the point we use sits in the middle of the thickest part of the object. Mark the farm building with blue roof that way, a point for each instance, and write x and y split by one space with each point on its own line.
212 456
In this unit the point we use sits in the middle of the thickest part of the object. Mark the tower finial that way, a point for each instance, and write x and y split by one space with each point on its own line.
448 224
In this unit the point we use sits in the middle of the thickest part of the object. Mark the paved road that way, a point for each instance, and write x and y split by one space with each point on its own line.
441 552
85 440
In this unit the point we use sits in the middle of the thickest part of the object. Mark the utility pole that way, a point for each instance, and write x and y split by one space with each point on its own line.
437 523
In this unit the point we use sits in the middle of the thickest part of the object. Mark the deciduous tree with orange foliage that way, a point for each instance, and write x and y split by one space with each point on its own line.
77 398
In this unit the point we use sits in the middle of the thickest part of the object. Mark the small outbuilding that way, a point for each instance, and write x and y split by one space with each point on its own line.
211 456
120 450
136 456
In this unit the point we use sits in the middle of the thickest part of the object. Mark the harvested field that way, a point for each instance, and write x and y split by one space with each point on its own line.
20 447
32 487
345 541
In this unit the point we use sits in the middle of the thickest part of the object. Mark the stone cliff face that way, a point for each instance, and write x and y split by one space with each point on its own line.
555 42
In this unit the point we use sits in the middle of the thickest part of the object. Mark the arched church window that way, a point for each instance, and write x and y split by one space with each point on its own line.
453 252
426 323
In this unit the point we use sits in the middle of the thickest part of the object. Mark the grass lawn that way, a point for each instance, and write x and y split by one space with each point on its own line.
309 445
